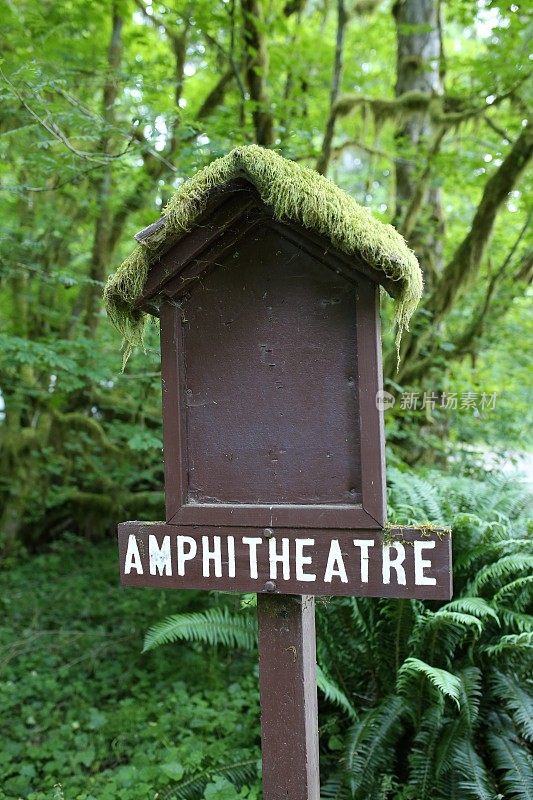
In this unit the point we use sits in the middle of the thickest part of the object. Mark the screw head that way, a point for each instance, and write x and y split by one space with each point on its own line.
268 533
270 586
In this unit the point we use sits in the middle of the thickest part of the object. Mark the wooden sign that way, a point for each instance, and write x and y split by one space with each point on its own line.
267 336
273 439
359 563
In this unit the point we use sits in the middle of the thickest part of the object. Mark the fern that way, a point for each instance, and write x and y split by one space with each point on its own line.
516 766
510 642
422 757
470 696
446 683
371 744
520 585
332 693
192 787
214 626
473 606
473 651
503 568
517 701
523 623
476 781
335 789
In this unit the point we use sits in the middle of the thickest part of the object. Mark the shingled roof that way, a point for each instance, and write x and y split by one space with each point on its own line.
294 193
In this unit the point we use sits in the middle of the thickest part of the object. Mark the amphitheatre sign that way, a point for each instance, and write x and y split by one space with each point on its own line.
409 564
266 279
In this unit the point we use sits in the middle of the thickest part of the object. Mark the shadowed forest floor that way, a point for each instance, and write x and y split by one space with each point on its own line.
86 715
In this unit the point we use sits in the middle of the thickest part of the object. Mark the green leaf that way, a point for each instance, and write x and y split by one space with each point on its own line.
214 626
516 765
447 684
173 769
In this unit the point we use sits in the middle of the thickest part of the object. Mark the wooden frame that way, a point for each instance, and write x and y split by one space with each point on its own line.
231 216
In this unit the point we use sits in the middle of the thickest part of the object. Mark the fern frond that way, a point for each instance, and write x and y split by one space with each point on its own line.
517 701
192 787
333 693
523 584
499 570
451 735
422 756
413 497
371 744
335 789
445 683
470 678
516 766
512 642
214 626
523 623
438 634
476 782
473 606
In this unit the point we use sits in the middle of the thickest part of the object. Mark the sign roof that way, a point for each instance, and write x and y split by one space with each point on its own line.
295 193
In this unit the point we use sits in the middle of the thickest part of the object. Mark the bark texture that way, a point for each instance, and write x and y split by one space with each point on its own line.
419 71
256 70
102 231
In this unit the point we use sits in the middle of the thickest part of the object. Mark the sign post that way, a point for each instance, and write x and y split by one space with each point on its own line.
273 439
289 710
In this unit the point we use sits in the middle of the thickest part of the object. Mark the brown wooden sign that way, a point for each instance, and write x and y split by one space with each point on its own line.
273 446
271 361
287 561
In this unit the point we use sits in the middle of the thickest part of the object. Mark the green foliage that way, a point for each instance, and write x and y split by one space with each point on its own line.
92 150
86 715
446 683
93 143
420 694
214 626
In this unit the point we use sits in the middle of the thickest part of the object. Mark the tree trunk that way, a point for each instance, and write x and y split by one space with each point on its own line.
419 69
257 71
102 230
325 154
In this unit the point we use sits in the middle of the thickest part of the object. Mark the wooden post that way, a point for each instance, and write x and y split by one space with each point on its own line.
289 709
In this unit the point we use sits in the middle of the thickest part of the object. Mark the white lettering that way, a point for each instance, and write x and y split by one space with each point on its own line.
133 557
160 560
274 559
183 555
252 542
231 556
335 565
395 563
214 555
421 564
365 545
302 560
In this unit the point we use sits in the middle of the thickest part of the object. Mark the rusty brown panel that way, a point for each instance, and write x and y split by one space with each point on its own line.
271 380
287 679
286 561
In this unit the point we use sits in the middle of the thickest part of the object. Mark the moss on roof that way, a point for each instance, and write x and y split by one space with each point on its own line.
294 193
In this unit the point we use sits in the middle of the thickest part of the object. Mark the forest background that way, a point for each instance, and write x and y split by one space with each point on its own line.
420 110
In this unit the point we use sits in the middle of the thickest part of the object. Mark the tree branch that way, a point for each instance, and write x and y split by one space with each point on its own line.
467 258
464 264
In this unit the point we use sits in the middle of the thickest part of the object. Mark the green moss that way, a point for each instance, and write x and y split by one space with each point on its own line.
395 533
294 193
393 108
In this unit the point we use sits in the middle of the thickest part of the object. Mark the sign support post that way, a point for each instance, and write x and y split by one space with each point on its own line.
289 709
